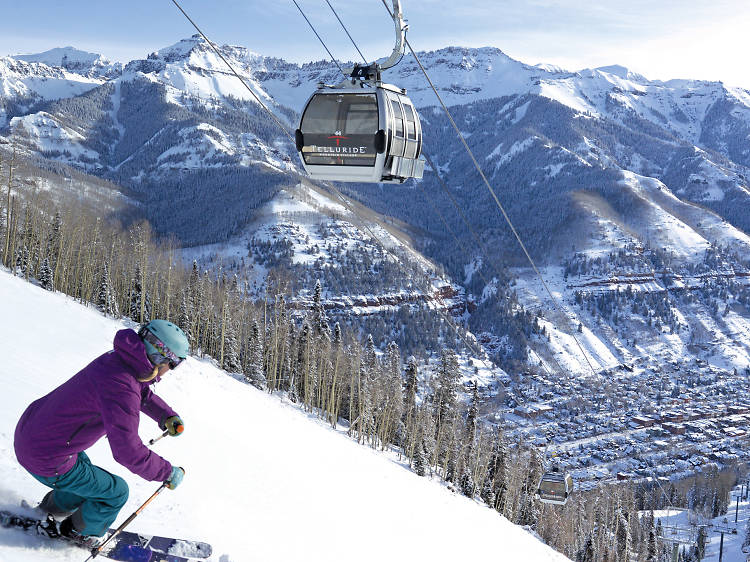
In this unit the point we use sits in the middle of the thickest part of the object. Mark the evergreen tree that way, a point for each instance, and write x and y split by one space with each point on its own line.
466 481
587 552
529 512
420 463
652 548
410 387
301 364
409 409
254 364
105 298
487 493
471 415
46 277
444 411
394 399
319 318
23 259
496 474
446 381
231 349
368 375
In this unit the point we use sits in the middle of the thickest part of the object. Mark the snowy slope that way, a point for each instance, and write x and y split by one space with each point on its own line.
264 481
296 214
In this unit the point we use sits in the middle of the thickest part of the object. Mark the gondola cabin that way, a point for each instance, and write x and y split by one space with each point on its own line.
360 135
555 487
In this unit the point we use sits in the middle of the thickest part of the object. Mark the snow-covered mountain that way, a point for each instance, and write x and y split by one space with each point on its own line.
612 180
263 480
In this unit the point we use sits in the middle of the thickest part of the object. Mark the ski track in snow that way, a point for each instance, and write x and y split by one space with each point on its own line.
264 481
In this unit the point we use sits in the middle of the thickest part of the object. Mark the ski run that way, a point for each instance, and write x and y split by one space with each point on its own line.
264 481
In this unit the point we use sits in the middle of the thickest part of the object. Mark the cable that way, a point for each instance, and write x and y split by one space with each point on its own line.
347 31
319 39
492 192
218 53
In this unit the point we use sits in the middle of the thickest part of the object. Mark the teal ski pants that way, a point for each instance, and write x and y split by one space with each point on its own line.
94 495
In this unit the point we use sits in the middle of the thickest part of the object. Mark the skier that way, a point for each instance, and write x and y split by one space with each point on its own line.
105 398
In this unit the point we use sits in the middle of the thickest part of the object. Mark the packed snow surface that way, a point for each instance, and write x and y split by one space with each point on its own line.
264 481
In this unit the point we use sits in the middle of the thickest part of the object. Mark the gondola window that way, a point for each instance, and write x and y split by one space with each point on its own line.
339 130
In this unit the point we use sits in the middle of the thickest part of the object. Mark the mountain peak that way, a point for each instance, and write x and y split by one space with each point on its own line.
180 50
621 72
74 60
468 52
195 46
60 56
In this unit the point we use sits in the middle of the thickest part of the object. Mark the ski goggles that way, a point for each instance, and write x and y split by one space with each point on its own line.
164 355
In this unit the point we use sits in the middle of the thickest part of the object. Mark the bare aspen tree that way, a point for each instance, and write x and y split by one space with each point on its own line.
7 253
4 215
168 293
89 275
143 247
277 351
223 330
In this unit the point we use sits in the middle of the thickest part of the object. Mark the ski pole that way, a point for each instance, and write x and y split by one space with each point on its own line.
96 551
155 439
180 429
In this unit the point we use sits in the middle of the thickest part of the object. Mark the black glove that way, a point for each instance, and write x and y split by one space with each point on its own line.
174 425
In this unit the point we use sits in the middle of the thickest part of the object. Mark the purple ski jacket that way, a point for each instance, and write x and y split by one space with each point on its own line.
105 398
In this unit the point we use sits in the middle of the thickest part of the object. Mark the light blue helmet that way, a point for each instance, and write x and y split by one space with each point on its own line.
167 335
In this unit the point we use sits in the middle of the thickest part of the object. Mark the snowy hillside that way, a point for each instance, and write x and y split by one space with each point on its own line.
256 485
24 85
319 235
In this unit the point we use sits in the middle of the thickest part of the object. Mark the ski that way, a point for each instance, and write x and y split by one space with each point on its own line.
167 545
125 547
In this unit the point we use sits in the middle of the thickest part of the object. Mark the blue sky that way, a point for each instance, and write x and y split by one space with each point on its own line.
661 39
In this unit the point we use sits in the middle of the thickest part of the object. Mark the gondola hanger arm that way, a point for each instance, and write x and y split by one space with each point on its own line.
371 72
401 28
